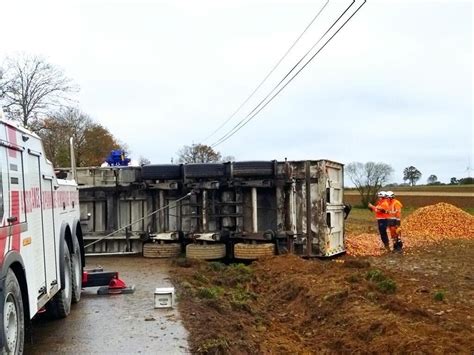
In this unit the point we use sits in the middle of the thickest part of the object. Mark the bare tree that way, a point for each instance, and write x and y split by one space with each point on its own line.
228 158
143 161
198 153
368 178
30 87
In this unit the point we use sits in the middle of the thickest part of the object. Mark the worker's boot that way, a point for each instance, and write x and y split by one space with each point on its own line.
387 247
398 246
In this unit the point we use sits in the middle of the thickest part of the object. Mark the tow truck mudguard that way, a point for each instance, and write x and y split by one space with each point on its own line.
10 258
62 240
78 241
75 246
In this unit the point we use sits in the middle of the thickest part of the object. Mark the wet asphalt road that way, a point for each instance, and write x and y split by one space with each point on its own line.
116 324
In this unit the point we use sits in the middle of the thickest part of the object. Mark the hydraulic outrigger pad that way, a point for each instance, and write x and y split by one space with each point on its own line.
108 281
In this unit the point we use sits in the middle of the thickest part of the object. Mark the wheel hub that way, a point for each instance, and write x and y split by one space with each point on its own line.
10 321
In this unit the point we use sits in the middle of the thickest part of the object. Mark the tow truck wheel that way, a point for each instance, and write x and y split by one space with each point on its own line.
61 302
253 251
13 316
76 263
157 250
205 251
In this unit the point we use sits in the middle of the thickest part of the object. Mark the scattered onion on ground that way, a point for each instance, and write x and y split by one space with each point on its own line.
427 225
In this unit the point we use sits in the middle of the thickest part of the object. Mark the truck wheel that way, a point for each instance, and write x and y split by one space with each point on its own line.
156 250
253 251
76 263
13 316
61 302
205 251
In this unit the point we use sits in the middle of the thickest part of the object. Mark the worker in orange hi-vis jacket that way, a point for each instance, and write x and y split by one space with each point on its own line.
394 221
381 209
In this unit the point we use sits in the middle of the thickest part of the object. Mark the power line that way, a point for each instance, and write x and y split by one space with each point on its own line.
257 110
268 74
251 114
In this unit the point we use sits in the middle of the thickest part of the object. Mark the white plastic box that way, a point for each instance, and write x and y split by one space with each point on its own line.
164 297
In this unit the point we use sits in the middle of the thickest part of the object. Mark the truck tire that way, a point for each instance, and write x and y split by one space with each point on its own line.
253 251
13 316
76 263
61 302
161 172
204 170
206 251
157 250
253 168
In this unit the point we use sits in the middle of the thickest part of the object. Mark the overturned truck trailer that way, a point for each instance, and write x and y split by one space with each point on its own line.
240 210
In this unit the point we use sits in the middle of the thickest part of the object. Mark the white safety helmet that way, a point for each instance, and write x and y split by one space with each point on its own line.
381 194
390 194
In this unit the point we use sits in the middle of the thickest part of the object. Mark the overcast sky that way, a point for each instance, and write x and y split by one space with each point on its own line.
395 85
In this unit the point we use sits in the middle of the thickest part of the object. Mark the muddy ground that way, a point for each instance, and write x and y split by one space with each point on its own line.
118 324
422 302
